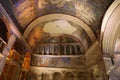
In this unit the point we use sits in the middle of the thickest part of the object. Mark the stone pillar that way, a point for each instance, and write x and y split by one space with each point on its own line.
65 50
6 50
50 76
75 76
101 67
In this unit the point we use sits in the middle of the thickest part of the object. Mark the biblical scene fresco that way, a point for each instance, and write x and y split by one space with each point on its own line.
60 45
57 28
28 10
58 61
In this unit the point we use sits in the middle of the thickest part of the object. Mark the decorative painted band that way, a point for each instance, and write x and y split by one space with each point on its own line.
58 61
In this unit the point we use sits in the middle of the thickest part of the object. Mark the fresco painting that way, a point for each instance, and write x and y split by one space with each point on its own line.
59 62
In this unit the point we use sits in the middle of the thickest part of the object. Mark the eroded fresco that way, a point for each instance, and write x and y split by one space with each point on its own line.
76 62
56 28
27 10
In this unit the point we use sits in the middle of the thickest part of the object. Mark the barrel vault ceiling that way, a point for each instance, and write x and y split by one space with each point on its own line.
90 12
83 18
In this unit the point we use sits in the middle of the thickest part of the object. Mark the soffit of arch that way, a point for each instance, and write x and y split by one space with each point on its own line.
110 29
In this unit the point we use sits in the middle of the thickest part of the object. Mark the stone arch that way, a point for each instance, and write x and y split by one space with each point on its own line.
81 76
57 76
44 76
59 16
110 28
40 76
69 76
40 25
110 35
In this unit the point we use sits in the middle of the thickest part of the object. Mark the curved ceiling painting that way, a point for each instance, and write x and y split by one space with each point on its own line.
27 11
56 25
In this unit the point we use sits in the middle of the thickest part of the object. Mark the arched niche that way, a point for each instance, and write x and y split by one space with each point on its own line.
44 76
81 75
69 76
59 24
57 76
